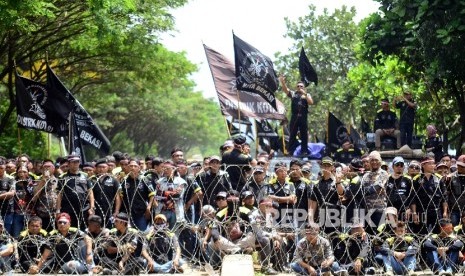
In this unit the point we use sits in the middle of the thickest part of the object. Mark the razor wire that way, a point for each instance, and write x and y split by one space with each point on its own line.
236 233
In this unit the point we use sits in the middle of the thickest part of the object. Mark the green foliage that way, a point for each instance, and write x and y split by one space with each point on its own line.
429 35
329 41
107 53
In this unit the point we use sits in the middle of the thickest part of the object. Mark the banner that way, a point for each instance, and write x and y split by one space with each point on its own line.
254 71
74 144
36 107
264 129
336 132
307 73
89 133
233 130
248 104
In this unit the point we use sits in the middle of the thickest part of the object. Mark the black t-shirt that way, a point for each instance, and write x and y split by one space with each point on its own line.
74 188
30 247
429 194
398 192
66 247
303 192
234 161
6 185
162 245
385 119
211 184
136 195
299 106
407 113
131 236
105 189
324 192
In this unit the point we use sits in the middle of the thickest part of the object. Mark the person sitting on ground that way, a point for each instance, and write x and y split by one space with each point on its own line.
443 249
32 245
163 247
401 252
6 249
314 255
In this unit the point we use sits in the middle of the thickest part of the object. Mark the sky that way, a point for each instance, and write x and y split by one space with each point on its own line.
258 22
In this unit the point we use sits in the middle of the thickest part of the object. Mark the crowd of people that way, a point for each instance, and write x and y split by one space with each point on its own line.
124 215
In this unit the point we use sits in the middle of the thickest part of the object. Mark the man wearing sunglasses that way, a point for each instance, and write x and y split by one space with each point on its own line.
300 100
67 247
398 187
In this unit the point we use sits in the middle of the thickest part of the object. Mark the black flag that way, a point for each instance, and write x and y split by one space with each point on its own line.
89 132
74 144
354 136
336 132
233 130
264 129
36 108
254 71
307 73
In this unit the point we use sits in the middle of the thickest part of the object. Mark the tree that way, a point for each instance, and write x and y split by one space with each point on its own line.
108 54
429 35
329 41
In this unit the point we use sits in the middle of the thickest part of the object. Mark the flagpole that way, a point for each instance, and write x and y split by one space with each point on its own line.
284 141
238 108
19 141
227 126
63 146
256 137
49 142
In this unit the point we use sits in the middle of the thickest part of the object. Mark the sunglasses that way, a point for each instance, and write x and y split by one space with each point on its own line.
414 167
220 198
300 86
62 222
261 163
399 165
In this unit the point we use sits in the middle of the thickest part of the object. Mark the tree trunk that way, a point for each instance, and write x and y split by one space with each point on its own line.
11 95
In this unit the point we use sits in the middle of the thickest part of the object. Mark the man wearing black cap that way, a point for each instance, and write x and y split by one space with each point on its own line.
353 196
300 100
429 202
75 195
408 107
325 197
281 191
89 169
256 182
213 181
386 124
347 152
106 193
443 249
235 160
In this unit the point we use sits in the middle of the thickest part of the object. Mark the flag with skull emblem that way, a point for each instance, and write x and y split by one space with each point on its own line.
254 71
